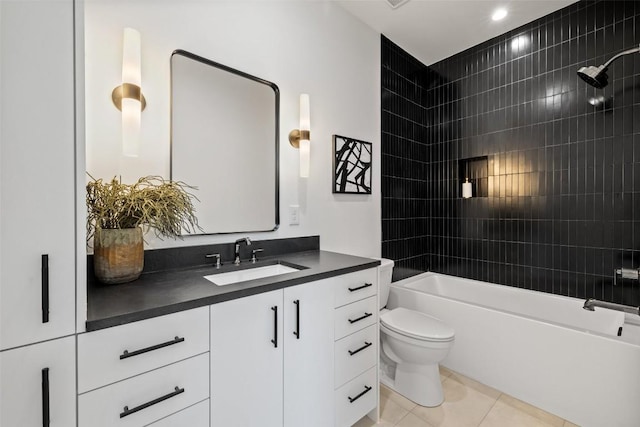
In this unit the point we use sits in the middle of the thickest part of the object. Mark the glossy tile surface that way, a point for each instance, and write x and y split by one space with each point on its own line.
562 158
468 403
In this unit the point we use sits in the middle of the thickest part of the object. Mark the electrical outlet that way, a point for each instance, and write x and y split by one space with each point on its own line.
294 215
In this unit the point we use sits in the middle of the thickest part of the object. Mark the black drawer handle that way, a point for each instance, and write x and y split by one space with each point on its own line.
360 318
126 353
126 411
366 285
366 390
46 410
366 345
45 288
297 331
274 341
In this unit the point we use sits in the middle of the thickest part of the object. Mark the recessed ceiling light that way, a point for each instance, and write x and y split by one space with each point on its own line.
499 14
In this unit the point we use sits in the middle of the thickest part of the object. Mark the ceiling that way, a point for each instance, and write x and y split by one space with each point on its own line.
432 30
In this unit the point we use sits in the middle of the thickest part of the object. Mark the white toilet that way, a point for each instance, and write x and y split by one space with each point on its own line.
413 344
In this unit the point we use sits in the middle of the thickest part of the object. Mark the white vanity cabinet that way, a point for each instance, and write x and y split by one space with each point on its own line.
272 358
356 346
246 361
37 200
38 385
136 374
308 355
277 358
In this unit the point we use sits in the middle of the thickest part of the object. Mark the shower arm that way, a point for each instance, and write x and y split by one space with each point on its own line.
626 52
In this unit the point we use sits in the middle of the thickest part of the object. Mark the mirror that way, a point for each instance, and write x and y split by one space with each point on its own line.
224 140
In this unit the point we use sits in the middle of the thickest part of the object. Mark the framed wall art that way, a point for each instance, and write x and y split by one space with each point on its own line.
351 165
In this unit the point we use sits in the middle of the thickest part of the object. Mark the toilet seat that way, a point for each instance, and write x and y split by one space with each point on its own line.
416 325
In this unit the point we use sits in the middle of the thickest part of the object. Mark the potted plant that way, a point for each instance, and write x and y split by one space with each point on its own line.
117 213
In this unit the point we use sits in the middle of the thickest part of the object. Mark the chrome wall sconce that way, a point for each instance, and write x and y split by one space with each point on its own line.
301 138
128 96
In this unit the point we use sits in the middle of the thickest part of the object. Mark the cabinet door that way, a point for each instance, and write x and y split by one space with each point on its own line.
308 355
36 171
246 361
31 377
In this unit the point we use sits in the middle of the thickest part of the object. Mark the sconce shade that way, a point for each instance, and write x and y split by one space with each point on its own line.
305 135
131 72
128 97
301 138
305 113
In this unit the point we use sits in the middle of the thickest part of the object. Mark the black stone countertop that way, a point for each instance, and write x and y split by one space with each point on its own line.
164 292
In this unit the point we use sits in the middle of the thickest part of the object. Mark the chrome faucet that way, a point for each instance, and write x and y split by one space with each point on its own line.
237 251
592 303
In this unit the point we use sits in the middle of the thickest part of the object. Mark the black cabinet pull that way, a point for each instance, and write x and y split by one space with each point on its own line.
275 326
297 331
127 353
46 410
366 344
45 288
126 411
366 285
361 317
366 390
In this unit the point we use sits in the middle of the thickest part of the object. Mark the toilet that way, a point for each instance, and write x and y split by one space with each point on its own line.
412 345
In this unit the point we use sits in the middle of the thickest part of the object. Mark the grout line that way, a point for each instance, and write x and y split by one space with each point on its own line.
403 417
490 409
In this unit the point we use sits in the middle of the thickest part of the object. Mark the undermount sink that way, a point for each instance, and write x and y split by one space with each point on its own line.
231 277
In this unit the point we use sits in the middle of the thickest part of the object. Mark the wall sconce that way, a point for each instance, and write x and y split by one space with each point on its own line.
128 97
467 189
301 138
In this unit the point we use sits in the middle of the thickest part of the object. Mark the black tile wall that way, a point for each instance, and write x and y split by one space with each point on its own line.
563 205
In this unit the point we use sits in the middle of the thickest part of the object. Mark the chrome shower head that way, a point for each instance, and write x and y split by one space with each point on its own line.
595 76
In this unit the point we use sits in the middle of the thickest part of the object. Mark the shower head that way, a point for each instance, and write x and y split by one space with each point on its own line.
597 76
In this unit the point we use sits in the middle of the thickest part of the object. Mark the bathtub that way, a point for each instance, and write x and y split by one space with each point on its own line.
541 348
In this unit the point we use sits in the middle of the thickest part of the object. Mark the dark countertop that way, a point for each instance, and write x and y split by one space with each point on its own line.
164 292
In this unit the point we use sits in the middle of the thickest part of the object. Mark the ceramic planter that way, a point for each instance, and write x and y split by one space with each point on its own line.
118 255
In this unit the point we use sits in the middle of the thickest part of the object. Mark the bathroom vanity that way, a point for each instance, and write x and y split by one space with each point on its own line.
295 349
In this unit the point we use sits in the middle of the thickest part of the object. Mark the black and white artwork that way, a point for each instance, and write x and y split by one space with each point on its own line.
351 165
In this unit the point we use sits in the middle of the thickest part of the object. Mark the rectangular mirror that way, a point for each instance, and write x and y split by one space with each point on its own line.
224 140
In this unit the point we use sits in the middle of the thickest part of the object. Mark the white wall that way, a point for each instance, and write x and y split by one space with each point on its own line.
310 47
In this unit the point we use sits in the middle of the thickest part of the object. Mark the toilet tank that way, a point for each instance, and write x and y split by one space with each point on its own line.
385 270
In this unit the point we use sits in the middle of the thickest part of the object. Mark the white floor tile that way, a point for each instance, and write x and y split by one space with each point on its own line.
391 411
548 418
464 406
503 415
411 420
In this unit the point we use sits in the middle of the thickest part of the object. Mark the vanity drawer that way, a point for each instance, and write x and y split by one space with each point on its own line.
356 316
194 416
149 344
148 397
355 286
357 397
355 353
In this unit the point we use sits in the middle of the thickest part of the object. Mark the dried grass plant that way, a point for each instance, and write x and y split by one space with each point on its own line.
165 206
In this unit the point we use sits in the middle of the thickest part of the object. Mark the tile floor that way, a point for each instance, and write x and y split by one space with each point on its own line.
467 404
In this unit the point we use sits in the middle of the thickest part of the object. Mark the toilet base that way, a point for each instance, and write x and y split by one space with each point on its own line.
418 383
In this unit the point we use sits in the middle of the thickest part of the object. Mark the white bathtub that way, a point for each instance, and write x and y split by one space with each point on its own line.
541 348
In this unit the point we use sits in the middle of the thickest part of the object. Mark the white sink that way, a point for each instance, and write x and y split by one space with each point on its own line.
232 277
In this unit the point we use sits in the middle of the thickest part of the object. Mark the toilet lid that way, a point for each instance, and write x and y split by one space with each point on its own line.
416 325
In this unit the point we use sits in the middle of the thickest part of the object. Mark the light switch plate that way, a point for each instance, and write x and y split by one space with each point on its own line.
294 215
